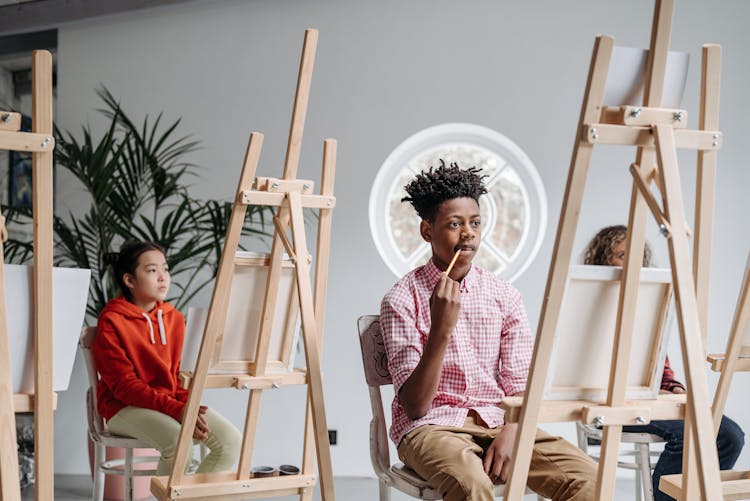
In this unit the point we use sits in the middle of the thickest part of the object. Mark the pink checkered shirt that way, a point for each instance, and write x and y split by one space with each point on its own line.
487 357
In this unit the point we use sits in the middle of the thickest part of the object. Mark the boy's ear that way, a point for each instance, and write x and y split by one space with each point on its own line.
425 229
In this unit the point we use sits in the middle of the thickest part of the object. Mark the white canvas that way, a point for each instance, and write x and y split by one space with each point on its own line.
70 289
627 70
585 334
243 319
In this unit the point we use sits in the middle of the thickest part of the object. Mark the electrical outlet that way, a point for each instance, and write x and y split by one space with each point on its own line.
332 436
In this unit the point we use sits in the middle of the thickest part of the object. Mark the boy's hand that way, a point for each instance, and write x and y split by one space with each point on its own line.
497 459
445 304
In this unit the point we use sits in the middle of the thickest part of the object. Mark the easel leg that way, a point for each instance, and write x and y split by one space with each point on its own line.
312 350
622 345
516 485
248 441
44 429
687 315
308 453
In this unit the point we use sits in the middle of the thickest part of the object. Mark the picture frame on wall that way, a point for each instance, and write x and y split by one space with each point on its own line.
19 180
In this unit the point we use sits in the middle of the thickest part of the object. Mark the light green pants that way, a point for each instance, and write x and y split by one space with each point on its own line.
161 432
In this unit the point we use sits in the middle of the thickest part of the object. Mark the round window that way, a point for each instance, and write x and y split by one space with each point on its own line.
514 211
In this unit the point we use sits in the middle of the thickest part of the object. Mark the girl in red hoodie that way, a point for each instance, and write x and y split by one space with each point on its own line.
137 353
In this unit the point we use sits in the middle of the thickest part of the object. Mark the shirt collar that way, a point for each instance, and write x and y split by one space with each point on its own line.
432 274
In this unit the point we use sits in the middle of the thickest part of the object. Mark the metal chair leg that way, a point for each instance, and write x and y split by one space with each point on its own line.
97 491
644 462
383 490
128 474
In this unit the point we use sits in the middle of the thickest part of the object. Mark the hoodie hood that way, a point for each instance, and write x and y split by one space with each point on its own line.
122 306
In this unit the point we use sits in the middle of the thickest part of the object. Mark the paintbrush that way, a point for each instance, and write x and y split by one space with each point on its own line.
453 261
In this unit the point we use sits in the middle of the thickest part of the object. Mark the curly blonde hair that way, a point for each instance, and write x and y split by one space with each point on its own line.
600 249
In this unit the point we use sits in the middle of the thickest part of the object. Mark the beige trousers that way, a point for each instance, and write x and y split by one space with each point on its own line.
450 460
161 432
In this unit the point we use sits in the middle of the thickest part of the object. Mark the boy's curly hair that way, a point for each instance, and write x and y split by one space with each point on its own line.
601 248
431 188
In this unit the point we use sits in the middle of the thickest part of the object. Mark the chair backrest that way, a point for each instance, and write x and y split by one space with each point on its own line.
96 422
374 357
375 363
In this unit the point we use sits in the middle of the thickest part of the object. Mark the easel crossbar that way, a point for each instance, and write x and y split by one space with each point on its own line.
734 485
629 135
275 199
10 121
203 485
26 141
553 411
644 116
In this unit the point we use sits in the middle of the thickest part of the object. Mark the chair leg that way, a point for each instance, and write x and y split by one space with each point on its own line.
97 491
583 442
128 474
384 490
644 462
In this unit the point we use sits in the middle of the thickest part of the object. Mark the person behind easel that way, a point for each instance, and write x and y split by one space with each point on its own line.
137 352
458 342
608 248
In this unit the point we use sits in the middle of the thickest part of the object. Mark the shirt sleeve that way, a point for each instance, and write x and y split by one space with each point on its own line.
400 336
668 382
118 373
516 346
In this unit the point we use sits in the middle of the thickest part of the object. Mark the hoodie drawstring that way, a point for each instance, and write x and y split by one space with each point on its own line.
151 327
161 327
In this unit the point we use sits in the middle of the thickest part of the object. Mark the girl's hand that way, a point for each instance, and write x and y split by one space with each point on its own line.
201 430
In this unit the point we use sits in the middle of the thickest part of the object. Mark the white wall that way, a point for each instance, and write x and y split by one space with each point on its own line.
384 71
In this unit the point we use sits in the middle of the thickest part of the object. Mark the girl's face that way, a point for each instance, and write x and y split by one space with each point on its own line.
618 253
150 281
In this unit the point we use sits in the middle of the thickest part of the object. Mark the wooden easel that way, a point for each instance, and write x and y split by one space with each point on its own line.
40 142
735 484
657 133
290 195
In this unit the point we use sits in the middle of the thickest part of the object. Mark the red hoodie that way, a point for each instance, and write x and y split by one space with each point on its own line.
137 355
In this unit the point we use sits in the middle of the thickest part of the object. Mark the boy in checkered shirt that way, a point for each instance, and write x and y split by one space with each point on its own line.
457 344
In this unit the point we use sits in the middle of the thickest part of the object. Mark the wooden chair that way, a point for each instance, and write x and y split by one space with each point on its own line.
396 475
102 438
641 456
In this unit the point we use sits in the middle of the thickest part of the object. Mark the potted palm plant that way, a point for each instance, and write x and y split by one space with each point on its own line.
137 177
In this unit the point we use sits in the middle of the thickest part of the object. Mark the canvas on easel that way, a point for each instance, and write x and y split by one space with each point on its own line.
237 348
254 368
588 319
656 132
40 142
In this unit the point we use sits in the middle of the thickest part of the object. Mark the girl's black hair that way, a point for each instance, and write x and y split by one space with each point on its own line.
126 261
431 188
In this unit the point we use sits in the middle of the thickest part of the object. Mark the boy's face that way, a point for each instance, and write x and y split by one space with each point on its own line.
457 225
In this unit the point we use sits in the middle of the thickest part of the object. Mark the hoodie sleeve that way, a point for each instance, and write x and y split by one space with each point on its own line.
118 374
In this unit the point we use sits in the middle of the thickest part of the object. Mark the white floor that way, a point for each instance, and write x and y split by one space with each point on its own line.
78 487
